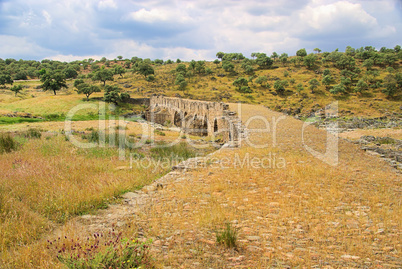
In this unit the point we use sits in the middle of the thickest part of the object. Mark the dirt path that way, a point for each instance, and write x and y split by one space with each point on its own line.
290 208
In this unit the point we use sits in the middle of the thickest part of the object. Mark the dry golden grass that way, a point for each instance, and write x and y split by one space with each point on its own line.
49 181
304 214
307 214
354 135
45 104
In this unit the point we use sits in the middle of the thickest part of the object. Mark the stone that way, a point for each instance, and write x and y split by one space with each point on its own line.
131 195
253 238
350 257
209 242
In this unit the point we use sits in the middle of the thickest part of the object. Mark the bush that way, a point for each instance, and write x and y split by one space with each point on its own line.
7 143
245 89
106 251
94 136
339 88
326 72
32 133
54 116
16 89
124 96
280 85
21 75
158 132
227 236
150 78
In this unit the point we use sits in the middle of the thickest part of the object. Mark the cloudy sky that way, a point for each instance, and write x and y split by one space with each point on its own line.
192 29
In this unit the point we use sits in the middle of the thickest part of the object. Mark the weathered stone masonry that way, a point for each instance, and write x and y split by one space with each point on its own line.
195 117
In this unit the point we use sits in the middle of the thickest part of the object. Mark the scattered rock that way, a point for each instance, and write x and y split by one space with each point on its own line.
350 257
253 238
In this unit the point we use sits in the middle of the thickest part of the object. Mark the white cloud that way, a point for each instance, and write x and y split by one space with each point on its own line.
149 16
70 57
18 47
339 15
159 15
105 4
47 16
191 29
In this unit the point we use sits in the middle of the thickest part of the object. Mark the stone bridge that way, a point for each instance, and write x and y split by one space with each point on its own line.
194 117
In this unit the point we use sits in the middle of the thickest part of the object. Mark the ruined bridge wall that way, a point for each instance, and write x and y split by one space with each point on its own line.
194 117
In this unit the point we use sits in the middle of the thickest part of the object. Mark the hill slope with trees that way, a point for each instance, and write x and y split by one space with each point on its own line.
366 82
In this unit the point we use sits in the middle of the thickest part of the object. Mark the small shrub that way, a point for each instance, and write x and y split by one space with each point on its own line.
168 123
244 89
227 236
7 143
386 140
104 251
32 133
150 78
54 116
94 136
137 155
124 97
158 132
121 127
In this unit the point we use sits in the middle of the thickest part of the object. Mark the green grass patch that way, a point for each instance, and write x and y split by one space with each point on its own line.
227 236
32 133
14 120
178 151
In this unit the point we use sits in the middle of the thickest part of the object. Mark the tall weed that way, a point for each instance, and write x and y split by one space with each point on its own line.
7 143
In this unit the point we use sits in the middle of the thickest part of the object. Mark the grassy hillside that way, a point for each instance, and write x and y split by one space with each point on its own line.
363 74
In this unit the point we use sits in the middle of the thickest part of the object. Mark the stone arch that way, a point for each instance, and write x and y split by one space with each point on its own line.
204 128
215 125
177 119
197 117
